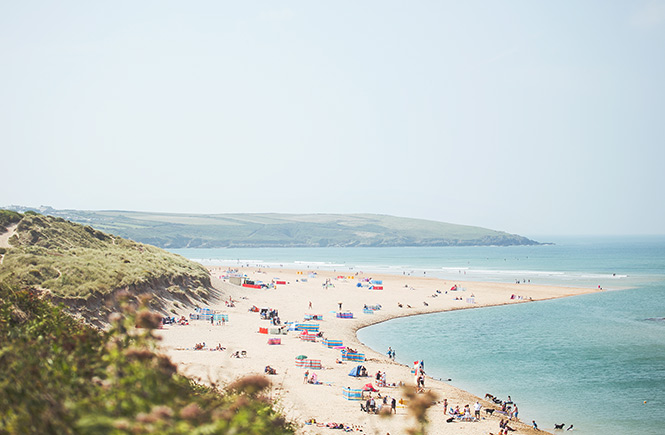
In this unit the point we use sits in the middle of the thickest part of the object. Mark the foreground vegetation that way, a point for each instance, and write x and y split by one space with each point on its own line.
75 261
61 376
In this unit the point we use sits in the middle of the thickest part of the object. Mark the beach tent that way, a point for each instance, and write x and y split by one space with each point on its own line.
369 387
356 371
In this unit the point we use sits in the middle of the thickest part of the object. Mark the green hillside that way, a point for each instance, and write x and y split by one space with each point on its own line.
85 267
170 230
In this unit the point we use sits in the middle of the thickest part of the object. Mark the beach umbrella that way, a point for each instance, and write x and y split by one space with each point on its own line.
301 357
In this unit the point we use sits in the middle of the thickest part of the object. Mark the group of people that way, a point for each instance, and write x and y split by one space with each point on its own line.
371 405
465 413
173 321
419 372
391 353
201 346
380 378
311 378
270 314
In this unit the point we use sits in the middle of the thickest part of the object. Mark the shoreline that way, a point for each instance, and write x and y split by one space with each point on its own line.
324 402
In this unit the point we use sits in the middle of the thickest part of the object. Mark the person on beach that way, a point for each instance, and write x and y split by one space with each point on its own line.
513 415
445 406
304 381
340 305
535 426
476 409
393 406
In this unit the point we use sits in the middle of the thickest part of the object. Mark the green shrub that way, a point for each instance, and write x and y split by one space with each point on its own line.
8 217
61 376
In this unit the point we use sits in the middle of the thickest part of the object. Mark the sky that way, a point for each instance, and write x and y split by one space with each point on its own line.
535 118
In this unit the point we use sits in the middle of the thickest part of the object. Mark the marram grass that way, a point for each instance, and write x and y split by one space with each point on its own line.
74 261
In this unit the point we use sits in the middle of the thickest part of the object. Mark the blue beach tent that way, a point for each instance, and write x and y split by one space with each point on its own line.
356 371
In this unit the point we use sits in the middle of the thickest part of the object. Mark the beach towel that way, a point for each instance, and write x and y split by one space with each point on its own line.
274 341
345 315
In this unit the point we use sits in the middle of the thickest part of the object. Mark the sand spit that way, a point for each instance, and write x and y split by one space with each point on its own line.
324 402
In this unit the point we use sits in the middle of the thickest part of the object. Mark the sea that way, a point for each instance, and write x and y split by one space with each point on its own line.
595 361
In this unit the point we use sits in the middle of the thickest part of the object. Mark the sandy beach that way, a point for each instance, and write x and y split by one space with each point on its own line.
324 402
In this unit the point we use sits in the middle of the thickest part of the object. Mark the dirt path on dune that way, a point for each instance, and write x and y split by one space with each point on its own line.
4 238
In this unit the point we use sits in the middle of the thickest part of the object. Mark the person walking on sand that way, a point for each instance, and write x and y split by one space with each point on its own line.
445 406
340 305
310 305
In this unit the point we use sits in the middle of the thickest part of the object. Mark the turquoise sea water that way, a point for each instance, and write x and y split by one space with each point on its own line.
590 360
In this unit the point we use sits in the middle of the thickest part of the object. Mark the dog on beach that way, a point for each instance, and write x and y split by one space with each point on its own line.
559 426
489 411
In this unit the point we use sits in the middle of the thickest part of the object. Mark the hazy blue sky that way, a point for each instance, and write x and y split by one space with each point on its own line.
531 117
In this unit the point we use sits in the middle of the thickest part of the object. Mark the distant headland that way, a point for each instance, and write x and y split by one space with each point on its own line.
234 230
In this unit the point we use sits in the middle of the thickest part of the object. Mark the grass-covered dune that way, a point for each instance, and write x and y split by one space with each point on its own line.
85 268
173 230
